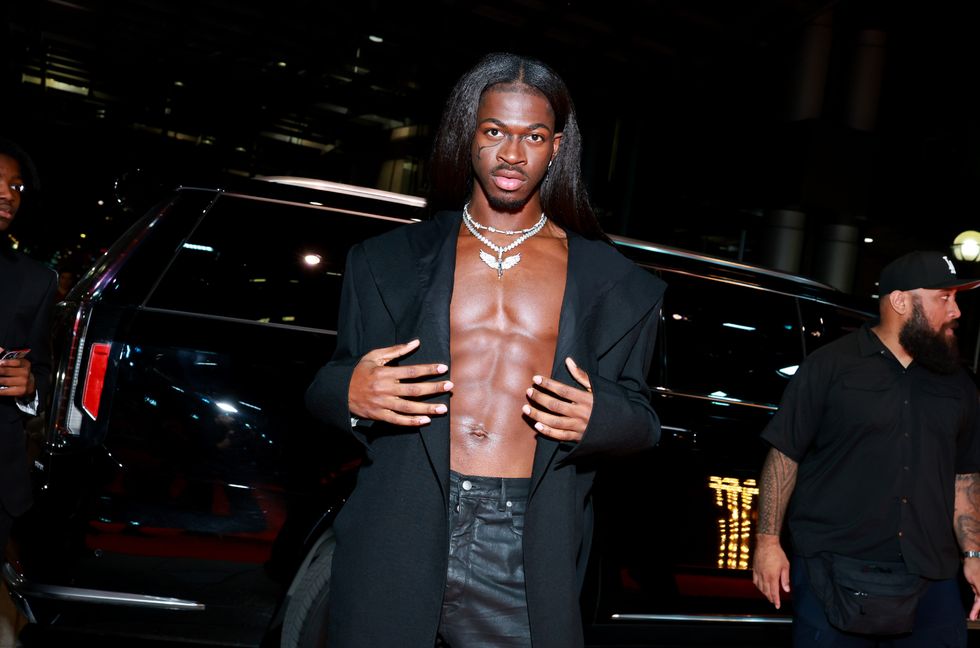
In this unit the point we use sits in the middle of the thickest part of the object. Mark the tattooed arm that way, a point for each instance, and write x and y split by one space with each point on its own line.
770 567
966 523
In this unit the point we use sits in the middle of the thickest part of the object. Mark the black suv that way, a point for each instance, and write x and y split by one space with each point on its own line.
183 491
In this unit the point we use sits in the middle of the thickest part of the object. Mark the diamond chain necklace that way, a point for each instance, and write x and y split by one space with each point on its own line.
500 263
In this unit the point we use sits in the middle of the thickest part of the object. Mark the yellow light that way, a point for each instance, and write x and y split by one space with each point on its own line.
966 246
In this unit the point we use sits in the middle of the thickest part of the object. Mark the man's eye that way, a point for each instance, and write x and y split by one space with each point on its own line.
535 137
493 132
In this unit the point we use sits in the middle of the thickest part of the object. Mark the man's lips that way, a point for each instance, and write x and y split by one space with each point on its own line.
508 179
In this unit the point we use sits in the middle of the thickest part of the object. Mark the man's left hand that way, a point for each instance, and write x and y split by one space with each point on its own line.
971 570
16 378
560 411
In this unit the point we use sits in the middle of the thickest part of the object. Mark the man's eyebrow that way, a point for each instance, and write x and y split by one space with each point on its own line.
536 126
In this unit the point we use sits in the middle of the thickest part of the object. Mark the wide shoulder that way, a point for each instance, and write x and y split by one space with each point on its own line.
606 262
415 234
26 268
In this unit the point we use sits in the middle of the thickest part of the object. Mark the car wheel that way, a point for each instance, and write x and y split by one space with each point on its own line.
305 624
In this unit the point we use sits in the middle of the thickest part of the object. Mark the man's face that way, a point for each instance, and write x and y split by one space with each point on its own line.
928 335
513 143
10 181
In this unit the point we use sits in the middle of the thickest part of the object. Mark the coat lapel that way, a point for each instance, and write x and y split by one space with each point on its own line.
436 268
11 285
573 322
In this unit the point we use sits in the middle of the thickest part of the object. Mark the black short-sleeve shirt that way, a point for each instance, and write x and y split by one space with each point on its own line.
879 446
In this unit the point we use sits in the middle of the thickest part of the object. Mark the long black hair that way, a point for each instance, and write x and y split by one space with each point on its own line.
564 197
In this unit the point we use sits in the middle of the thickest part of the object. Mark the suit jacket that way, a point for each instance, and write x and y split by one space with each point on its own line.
391 556
27 290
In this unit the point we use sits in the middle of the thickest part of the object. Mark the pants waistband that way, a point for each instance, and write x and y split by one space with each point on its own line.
509 487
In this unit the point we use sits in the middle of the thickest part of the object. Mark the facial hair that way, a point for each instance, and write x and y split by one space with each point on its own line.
934 350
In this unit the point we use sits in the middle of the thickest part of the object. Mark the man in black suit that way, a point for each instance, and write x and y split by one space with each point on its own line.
27 289
487 359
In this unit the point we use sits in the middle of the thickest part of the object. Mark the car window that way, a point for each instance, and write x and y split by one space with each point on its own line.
730 341
265 261
823 323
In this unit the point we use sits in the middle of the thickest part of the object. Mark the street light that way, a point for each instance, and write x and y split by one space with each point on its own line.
966 246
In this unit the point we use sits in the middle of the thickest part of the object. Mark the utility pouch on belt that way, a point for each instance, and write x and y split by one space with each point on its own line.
866 596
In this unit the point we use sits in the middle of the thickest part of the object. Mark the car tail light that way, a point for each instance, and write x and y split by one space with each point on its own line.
98 360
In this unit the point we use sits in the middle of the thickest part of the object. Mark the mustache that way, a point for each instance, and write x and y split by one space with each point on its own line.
507 167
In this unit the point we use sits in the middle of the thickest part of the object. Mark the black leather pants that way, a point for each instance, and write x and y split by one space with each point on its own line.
485 602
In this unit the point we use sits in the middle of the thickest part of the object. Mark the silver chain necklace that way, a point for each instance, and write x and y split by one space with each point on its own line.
500 263
490 228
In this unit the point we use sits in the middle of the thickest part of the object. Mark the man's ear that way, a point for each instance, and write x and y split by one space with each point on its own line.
900 301
555 145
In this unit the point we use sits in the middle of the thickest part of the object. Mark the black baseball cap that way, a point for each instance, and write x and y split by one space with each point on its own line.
922 269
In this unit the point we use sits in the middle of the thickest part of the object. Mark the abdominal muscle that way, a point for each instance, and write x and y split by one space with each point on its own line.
503 332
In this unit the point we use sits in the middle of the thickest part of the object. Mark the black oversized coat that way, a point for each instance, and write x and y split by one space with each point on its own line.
27 289
389 567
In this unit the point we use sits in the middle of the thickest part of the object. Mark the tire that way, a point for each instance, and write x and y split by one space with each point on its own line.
305 623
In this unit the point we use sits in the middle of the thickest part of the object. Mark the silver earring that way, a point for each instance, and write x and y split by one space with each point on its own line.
550 161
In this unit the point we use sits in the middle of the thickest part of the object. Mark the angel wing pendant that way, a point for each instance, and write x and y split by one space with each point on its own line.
499 264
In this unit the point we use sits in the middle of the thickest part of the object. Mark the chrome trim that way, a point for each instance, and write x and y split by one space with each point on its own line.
21 587
687 254
728 401
352 212
671 428
704 618
351 190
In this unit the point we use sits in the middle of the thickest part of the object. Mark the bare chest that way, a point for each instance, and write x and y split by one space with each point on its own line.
519 298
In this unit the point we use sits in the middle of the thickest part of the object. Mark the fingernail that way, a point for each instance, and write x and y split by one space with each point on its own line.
537 380
530 391
442 368
440 409
424 419
538 426
526 409
571 362
446 386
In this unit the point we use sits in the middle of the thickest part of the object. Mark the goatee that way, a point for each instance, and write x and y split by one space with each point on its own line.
935 350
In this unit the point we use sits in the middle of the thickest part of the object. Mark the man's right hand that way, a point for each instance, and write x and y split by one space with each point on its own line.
377 392
770 567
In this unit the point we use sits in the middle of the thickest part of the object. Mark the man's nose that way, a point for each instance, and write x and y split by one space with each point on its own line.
954 310
6 191
510 151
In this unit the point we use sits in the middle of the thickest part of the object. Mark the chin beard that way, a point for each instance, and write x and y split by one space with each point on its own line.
503 204
934 350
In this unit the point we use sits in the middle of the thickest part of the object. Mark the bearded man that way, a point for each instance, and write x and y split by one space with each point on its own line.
875 452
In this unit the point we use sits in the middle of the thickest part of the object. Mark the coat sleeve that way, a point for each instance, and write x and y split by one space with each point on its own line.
326 397
40 338
623 419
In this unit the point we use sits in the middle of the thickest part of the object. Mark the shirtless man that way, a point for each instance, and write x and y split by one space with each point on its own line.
474 531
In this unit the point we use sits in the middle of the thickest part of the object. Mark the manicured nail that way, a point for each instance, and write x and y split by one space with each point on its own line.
441 409
530 391
526 409
539 426
537 380
424 419
442 368
571 362
446 386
